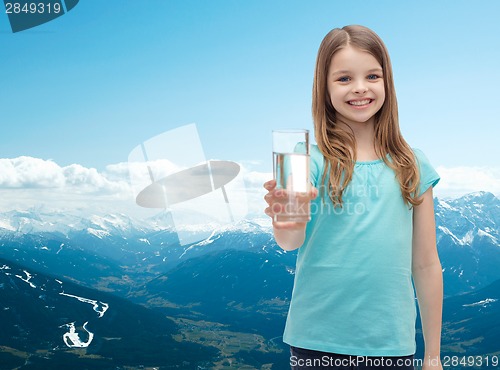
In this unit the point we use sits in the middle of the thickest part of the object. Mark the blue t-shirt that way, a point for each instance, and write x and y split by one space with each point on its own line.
353 291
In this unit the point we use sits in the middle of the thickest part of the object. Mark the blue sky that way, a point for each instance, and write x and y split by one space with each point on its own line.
89 86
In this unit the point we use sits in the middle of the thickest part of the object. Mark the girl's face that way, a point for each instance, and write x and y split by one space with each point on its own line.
356 86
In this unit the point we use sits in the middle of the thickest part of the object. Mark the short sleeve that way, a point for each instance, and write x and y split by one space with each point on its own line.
428 175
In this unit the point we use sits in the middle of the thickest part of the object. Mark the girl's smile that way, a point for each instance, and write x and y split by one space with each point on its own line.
360 104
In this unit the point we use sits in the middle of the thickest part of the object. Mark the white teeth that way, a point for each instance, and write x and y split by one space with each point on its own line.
360 102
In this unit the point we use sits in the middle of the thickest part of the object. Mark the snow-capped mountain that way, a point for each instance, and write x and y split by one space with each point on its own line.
467 236
470 217
116 249
35 221
468 241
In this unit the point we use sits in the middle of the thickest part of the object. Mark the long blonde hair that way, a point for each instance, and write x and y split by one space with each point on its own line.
337 145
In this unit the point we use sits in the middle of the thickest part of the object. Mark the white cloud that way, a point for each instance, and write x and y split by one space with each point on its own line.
27 182
458 181
28 172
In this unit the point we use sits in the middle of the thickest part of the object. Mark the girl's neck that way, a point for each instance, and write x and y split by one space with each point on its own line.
364 134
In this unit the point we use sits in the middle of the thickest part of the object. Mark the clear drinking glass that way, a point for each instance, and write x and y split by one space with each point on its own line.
291 172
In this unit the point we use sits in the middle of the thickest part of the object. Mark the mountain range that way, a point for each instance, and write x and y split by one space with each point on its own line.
224 298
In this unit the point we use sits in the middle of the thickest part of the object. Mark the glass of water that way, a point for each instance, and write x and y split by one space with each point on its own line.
291 172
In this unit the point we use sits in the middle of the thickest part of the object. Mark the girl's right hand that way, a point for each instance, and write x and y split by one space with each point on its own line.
275 199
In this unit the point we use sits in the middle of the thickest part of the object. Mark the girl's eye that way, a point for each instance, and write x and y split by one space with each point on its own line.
373 77
344 79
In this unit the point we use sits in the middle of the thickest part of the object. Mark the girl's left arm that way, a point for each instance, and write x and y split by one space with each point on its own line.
428 278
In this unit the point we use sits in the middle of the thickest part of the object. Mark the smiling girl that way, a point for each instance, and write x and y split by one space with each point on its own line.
372 228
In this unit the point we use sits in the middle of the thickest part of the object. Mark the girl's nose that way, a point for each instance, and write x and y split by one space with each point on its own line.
360 88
